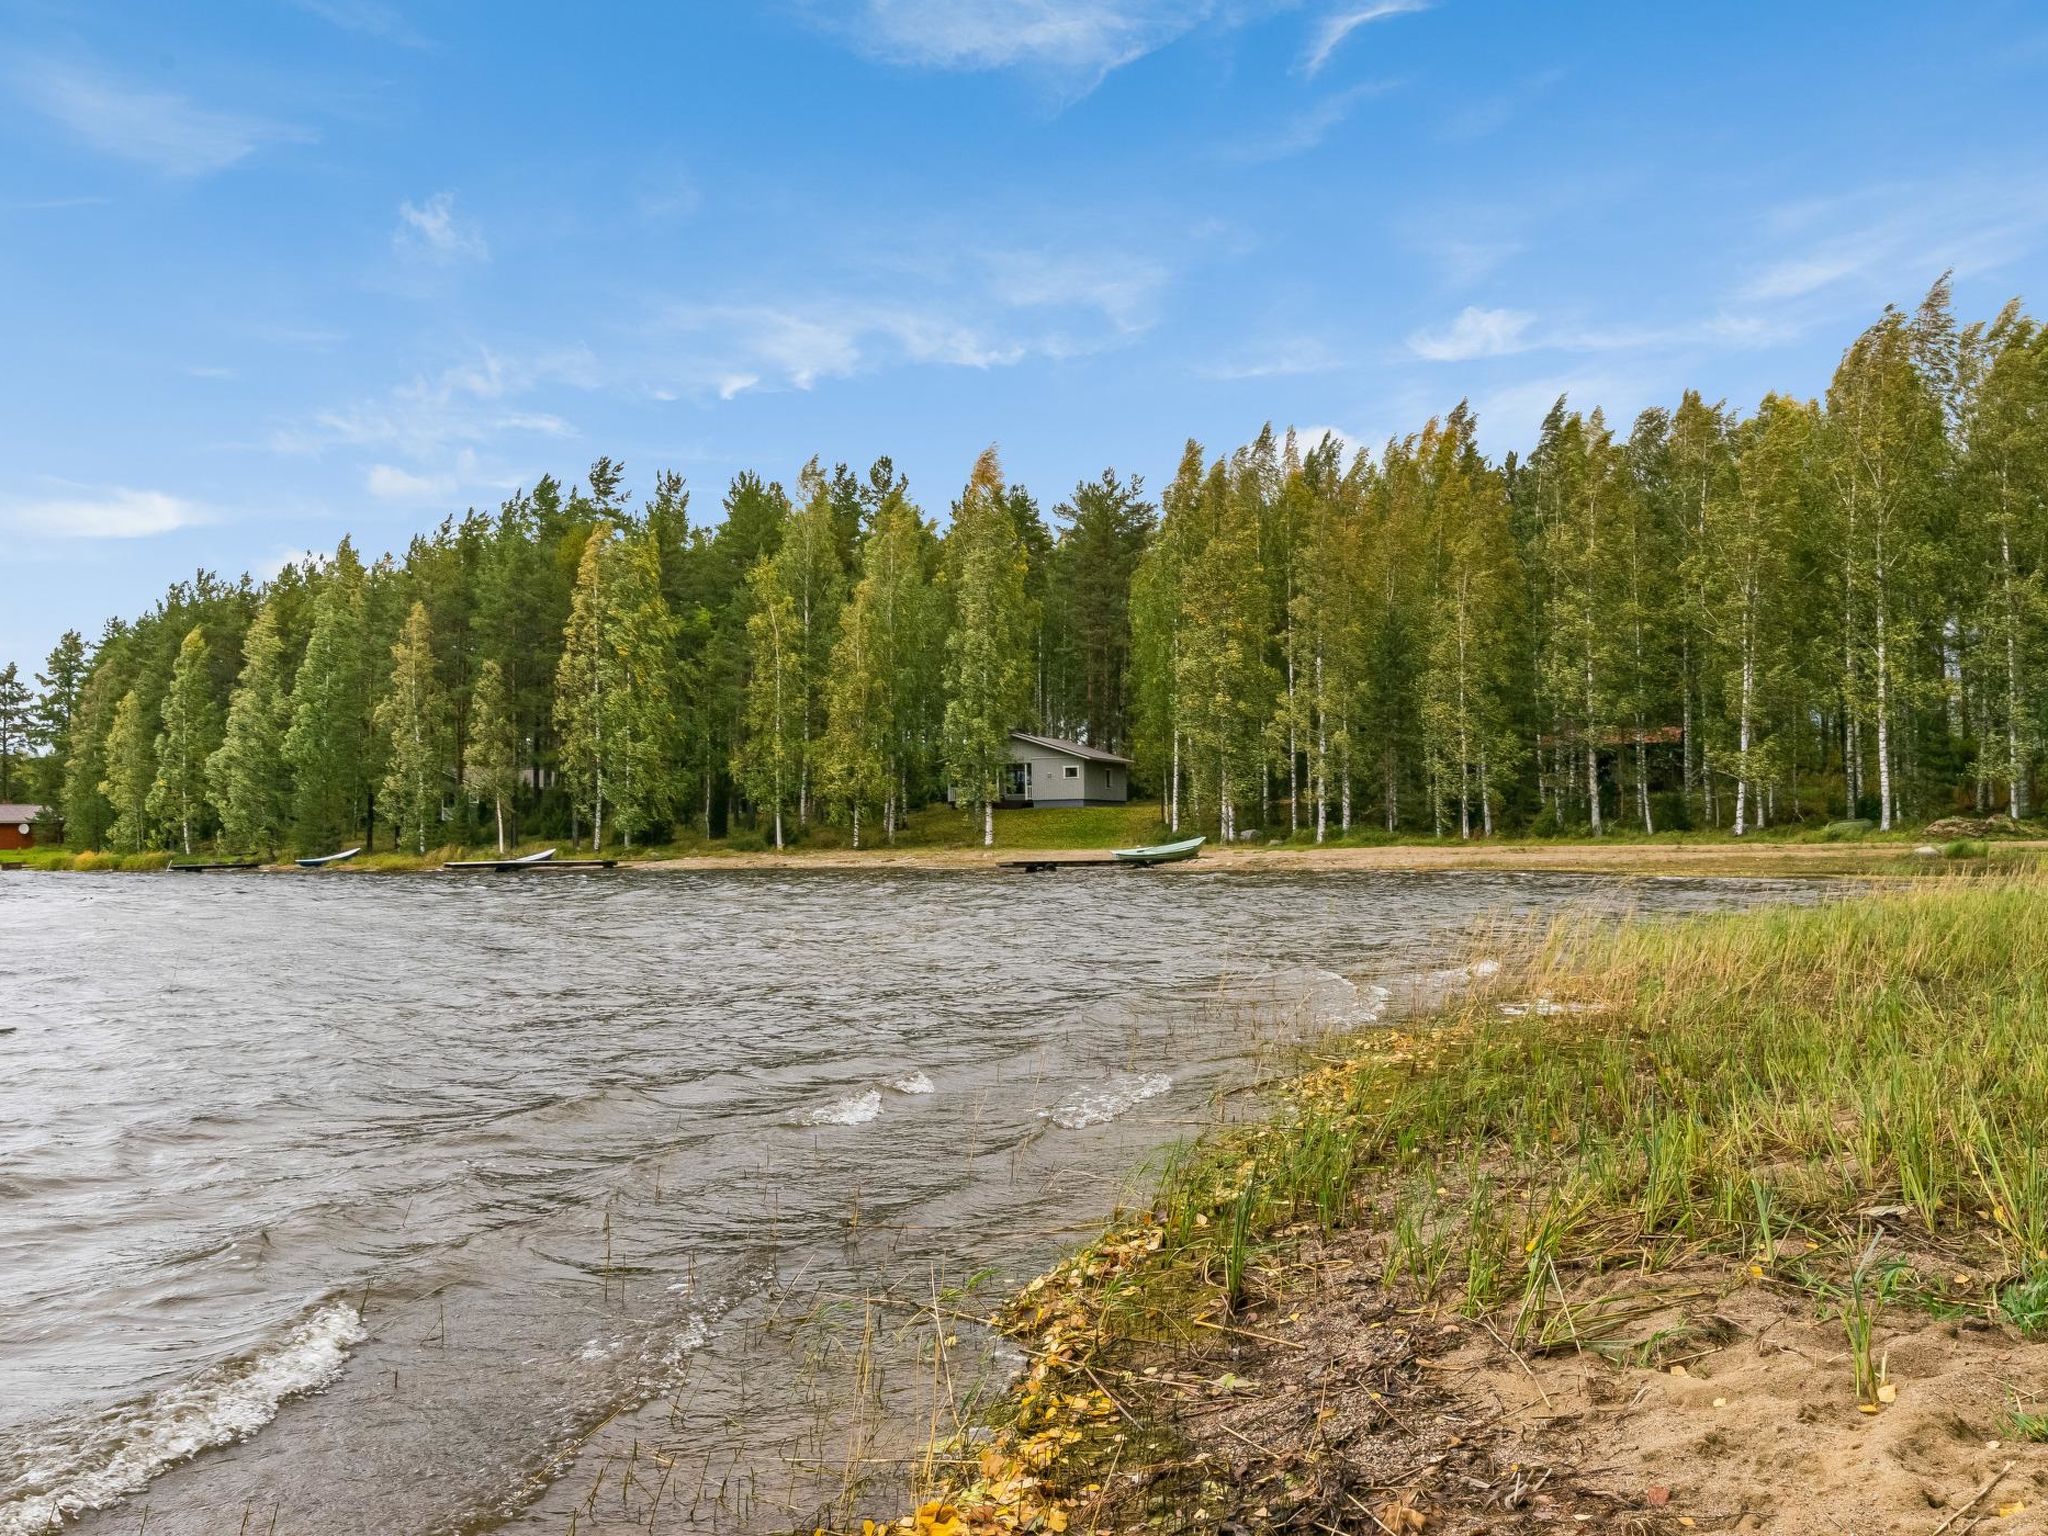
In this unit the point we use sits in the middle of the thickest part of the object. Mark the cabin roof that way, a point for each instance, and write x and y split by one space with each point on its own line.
1070 748
18 813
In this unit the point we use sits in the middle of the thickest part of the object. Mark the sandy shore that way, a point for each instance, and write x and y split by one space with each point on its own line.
1647 859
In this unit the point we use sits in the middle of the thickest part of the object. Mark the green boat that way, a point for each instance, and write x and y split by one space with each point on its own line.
1160 853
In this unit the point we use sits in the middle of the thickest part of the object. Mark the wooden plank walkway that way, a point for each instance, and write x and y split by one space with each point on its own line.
200 869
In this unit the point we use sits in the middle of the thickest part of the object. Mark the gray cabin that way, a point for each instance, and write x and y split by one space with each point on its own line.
1046 770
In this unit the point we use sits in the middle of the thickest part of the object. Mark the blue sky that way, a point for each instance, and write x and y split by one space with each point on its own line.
270 272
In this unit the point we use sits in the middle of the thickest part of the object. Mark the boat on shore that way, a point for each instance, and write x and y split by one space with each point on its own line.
326 859
1160 853
545 859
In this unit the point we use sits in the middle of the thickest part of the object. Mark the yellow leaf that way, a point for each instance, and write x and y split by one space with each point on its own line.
2007 1511
1756 1271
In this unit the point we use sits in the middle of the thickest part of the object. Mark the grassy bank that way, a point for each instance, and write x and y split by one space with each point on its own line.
1597 1187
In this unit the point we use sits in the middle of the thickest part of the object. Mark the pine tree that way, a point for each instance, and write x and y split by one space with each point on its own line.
988 655
248 780
414 716
191 732
130 774
14 728
490 763
56 706
327 744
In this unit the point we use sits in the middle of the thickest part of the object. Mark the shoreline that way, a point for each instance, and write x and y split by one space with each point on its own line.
1702 857
1392 1301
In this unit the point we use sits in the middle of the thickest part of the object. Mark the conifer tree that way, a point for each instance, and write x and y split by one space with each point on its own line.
490 762
248 780
191 732
14 729
988 655
56 705
413 714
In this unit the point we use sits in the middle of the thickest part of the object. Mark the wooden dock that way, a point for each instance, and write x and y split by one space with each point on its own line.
1048 866
506 866
200 869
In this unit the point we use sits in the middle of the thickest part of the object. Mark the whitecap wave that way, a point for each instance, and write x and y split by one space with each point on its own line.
912 1082
117 1455
855 1109
1101 1102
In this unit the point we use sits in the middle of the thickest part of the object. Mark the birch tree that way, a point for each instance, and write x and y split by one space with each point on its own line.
414 716
490 759
191 732
988 655
248 780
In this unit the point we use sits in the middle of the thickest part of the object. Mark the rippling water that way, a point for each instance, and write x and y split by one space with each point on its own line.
406 1204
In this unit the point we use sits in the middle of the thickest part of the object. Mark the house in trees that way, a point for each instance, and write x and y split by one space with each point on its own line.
18 825
1048 770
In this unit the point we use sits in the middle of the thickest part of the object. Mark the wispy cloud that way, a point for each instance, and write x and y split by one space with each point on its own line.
369 17
1307 129
1475 333
159 129
1887 242
1080 41
387 482
1278 360
988 308
108 512
1490 114
1337 25
427 418
1124 289
433 231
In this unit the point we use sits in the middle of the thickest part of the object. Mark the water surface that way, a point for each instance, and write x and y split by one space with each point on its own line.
417 1204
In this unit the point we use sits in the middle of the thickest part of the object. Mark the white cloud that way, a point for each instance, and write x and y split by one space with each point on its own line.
466 403
962 308
387 482
1339 24
112 512
1475 333
1075 39
1859 249
434 232
159 129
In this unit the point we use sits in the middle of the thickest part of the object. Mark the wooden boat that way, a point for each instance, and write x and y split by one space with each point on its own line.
327 858
1160 853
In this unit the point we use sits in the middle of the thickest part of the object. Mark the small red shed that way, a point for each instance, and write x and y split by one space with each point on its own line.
18 826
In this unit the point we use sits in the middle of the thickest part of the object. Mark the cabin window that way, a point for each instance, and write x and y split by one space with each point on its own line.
1072 770
1016 781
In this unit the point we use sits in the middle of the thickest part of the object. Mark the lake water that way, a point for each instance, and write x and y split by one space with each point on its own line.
419 1204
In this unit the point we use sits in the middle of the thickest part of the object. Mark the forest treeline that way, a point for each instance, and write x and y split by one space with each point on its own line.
1818 608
